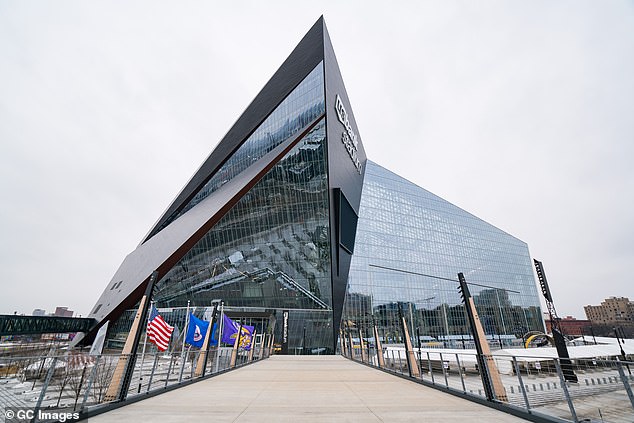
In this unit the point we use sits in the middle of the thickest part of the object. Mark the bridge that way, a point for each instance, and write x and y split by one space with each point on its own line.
33 325
307 389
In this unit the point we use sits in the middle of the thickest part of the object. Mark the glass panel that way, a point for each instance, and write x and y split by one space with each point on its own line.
303 105
404 227
271 250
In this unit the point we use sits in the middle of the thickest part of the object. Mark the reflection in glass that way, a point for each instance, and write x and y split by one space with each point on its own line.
404 233
303 105
271 250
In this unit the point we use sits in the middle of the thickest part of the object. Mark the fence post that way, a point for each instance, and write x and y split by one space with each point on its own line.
464 389
379 348
431 370
521 381
625 380
564 386
183 355
89 384
169 370
49 376
350 344
420 357
444 371
149 384
194 358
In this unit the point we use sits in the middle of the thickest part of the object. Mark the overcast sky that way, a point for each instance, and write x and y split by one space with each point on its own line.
522 113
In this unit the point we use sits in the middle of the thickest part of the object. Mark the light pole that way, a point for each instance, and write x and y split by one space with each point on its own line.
622 351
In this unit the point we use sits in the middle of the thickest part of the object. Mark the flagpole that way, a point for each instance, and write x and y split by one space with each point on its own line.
143 353
220 328
185 332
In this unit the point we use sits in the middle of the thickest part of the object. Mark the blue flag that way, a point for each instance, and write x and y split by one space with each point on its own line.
196 331
230 333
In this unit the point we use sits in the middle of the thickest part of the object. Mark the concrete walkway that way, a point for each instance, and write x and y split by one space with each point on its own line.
305 389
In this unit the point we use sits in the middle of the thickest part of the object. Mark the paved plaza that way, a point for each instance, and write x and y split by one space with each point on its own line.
305 389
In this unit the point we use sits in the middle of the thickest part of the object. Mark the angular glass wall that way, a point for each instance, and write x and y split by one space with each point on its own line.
411 245
303 105
271 251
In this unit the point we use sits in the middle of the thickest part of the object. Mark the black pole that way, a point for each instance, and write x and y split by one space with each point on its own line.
239 339
619 341
211 335
129 370
480 358
401 319
622 351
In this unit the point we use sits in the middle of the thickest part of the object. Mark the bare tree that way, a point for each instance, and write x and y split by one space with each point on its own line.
75 384
62 380
103 376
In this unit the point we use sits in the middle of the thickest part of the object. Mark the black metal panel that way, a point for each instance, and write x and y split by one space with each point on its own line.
343 174
33 325
303 59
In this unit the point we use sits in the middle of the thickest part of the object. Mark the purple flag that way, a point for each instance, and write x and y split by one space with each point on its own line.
230 332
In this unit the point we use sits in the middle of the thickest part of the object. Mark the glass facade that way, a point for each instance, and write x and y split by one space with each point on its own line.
271 251
410 246
304 104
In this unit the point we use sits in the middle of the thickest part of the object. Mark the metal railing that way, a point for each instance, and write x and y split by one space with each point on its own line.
531 385
77 382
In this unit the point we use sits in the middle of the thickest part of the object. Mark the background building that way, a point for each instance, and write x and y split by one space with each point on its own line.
613 312
571 326
63 312
286 215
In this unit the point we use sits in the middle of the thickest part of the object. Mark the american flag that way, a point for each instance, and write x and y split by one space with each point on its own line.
158 332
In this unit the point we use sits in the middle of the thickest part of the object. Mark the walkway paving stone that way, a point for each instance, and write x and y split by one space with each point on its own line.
305 389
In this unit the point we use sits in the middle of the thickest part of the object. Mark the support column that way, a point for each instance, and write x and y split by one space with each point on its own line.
120 382
491 381
414 371
362 346
342 342
350 344
379 348
201 365
236 346
252 346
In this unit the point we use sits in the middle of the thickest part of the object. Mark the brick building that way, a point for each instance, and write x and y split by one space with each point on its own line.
614 312
571 326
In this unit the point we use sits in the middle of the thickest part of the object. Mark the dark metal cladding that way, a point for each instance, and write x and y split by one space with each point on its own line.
343 175
303 59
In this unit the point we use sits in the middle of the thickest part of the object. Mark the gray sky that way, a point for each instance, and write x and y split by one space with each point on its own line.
522 113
